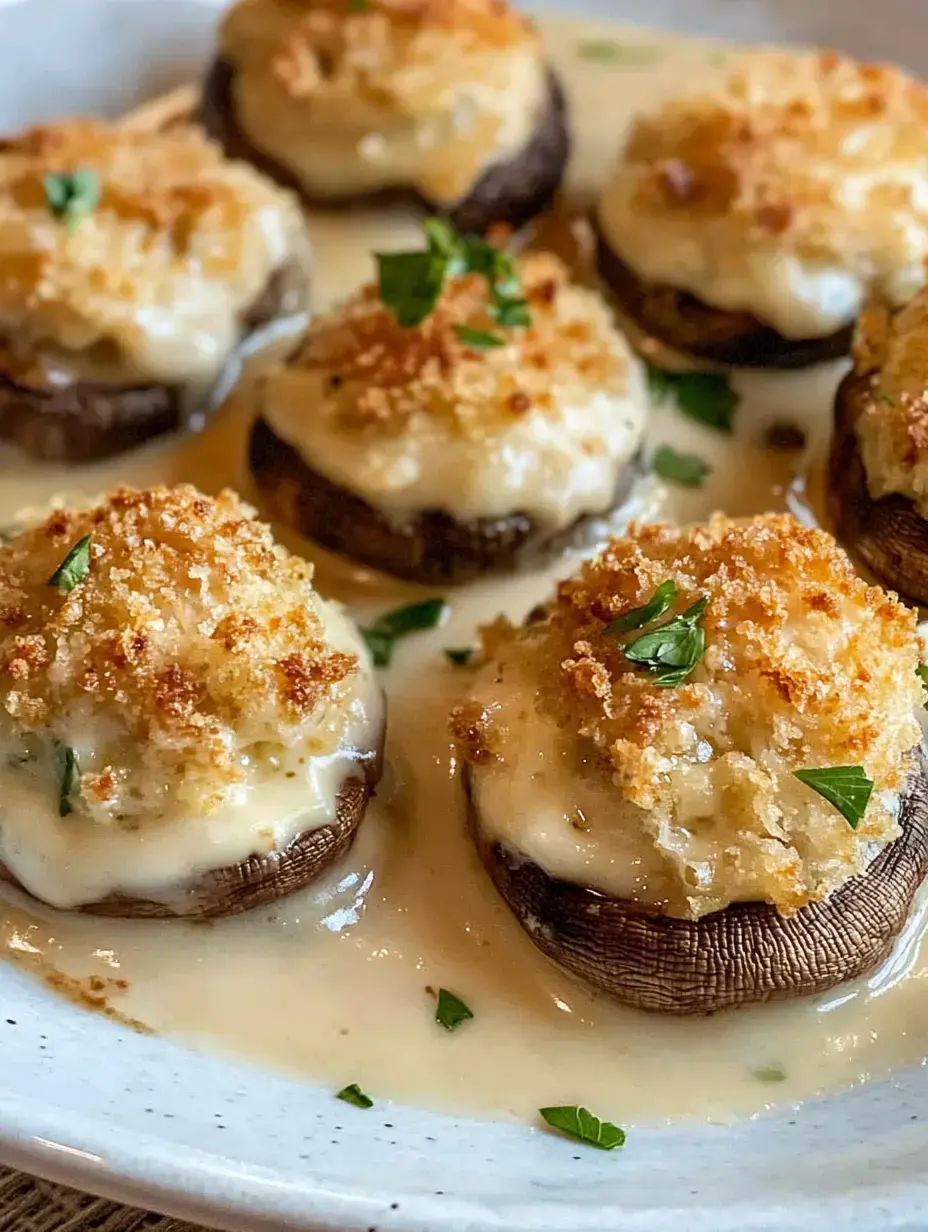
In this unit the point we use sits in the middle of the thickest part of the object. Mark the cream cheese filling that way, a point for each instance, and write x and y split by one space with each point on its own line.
338 148
68 862
799 295
553 466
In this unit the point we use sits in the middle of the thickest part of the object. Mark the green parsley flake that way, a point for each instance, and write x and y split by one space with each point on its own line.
459 655
608 51
479 339
846 787
672 650
922 673
352 1094
72 195
451 1010
682 468
389 628
770 1073
410 283
69 775
704 396
656 606
74 568
580 1124
885 397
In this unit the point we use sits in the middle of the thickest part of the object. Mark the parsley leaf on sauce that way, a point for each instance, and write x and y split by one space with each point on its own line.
704 396
684 468
479 339
770 1073
72 195
389 628
74 568
846 787
451 1010
352 1094
580 1124
922 673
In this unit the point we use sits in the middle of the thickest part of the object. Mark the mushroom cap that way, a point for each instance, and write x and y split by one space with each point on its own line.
743 954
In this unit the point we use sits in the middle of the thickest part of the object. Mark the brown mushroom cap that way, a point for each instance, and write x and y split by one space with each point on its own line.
87 420
261 878
682 321
510 192
429 547
744 954
889 534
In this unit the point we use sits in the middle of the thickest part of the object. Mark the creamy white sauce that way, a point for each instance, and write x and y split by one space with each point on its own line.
72 861
411 906
553 466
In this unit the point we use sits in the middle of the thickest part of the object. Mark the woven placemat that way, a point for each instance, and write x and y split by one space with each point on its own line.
31 1205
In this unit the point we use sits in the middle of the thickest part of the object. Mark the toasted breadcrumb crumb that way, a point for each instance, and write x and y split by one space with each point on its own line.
805 667
193 647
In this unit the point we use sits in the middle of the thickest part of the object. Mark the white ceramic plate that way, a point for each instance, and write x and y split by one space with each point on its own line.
140 1119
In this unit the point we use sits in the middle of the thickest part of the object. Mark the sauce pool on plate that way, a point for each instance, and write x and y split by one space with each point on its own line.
339 984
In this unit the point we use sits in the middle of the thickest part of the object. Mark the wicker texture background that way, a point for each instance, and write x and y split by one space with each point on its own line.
30 1205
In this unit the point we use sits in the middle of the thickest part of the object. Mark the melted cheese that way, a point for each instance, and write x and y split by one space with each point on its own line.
414 419
426 96
156 282
685 798
795 191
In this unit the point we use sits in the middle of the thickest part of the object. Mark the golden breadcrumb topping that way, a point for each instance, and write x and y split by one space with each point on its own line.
326 48
192 648
891 417
177 230
773 147
354 98
805 667
381 379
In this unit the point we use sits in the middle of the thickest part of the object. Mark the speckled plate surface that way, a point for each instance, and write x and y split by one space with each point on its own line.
140 1119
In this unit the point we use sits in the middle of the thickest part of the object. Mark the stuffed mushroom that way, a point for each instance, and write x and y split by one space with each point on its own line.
749 224
696 776
878 472
136 267
187 728
461 444
449 103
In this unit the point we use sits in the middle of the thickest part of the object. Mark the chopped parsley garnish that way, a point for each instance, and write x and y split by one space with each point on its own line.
846 787
359 6
922 673
479 339
72 195
410 283
69 774
385 632
770 1073
459 655
683 468
582 1126
352 1094
451 1010
656 606
607 51
885 397
672 650
74 568
704 396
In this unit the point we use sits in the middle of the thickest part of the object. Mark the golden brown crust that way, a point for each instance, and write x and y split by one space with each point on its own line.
382 377
769 148
191 637
329 47
805 667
